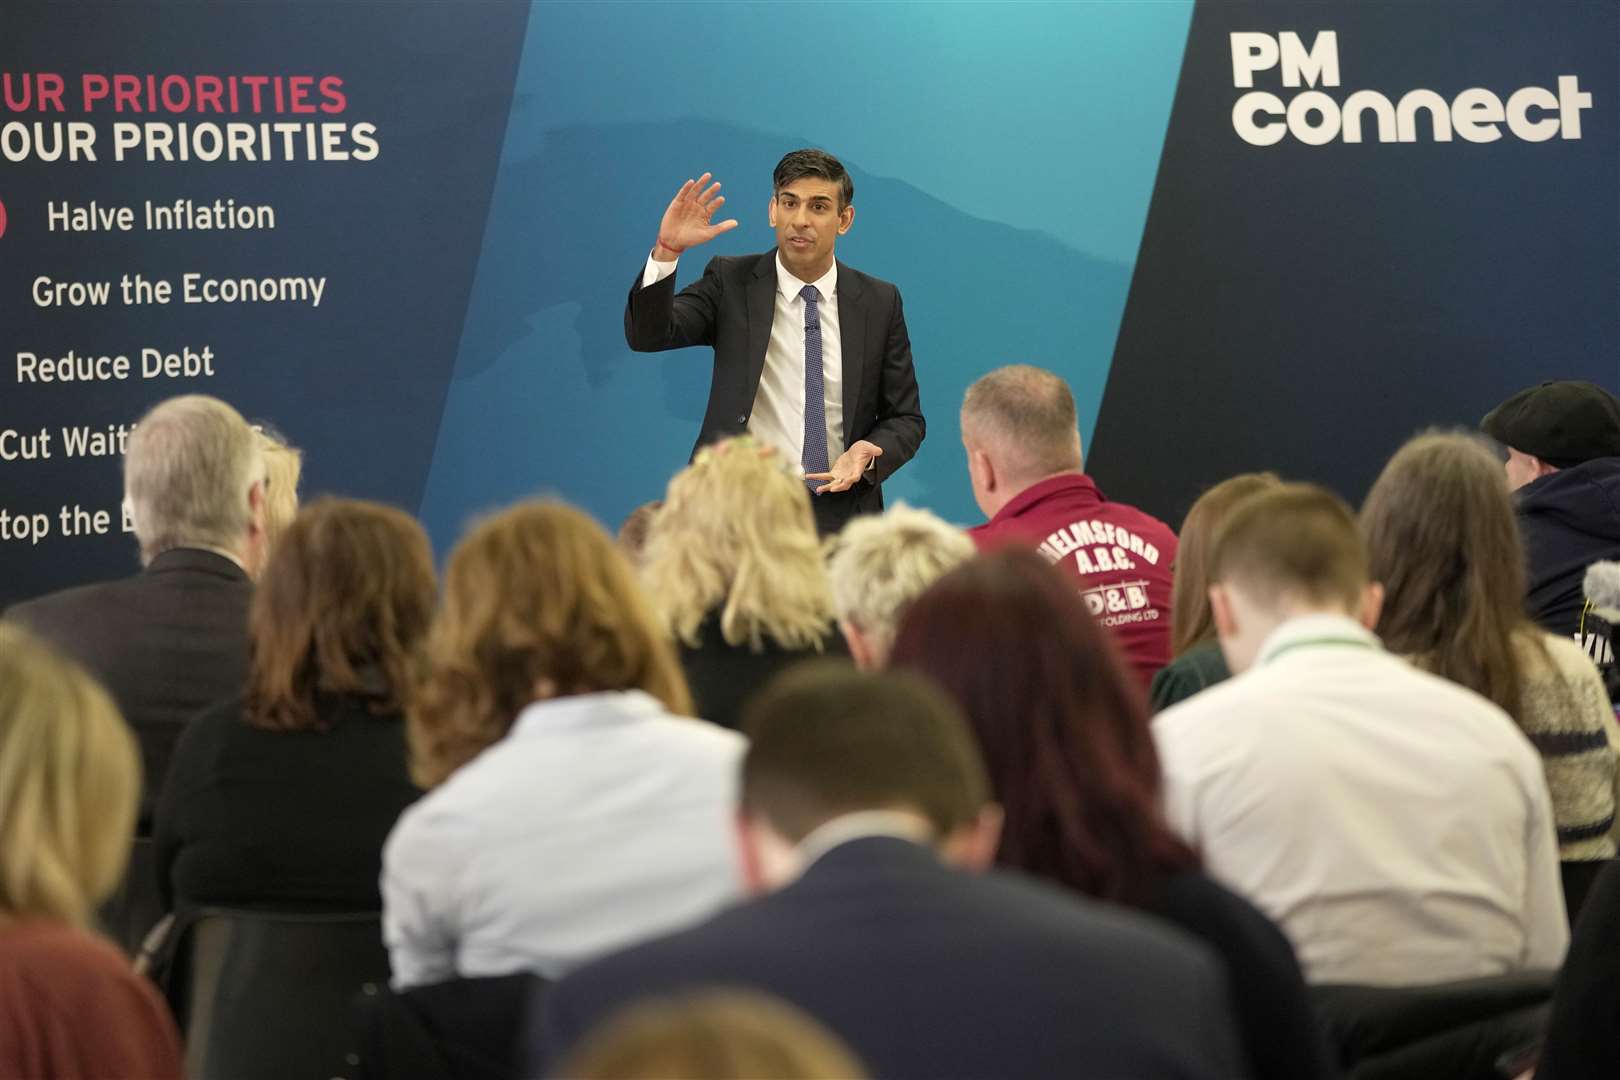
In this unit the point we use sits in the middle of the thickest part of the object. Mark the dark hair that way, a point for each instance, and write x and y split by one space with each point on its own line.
1297 539
810 162
1192 623
1442 539
1063 727
342 607
827 740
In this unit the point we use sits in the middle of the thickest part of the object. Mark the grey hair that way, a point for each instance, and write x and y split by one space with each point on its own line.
1028 414
880 564
188 468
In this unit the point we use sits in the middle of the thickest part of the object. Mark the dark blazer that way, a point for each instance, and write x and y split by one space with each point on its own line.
166 643
927 972
725 677
731 308
293 820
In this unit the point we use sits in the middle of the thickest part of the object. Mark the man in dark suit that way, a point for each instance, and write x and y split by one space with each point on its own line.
810 356
172 639
863 802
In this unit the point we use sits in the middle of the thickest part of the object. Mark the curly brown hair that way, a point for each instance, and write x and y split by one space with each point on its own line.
538 603
342 608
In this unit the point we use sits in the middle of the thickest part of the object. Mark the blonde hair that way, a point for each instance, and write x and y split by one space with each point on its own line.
283 464
1192 622
718 1035
69 780
538 602
188 468
879 564
736 536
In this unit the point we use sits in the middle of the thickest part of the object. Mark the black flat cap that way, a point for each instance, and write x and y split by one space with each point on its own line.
1563 423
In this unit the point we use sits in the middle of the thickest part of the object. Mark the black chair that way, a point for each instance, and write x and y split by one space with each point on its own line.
1583 1037
264 995
1456 1030
463 1029
131 912
1578 878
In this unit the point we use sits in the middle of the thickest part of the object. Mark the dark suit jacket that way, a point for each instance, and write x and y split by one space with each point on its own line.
731 308
927 972
166 644
724 678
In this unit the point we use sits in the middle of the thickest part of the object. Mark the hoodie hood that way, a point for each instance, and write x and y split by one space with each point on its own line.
1570 519
1583 499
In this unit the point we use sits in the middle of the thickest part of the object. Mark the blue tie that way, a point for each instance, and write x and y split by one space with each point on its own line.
814 457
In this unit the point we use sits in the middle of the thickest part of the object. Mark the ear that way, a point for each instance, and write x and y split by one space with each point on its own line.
1372 604
973 847
983 468
846 219
1220 606
770 211
1543 469
860 646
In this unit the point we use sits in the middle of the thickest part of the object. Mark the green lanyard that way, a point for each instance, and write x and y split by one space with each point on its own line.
1305 643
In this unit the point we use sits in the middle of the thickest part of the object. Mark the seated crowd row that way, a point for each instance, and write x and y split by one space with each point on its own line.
505 765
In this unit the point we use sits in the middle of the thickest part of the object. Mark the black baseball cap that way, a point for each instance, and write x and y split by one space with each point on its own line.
1563 423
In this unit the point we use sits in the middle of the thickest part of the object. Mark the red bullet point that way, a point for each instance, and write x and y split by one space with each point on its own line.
2 219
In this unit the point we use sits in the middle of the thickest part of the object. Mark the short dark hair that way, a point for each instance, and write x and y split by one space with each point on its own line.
811 162
827 740
1063 725
1295 539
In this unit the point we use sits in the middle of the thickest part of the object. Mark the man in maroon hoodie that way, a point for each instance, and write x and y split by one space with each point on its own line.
1023 446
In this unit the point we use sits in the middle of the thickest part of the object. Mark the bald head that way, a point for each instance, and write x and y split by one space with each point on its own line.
1019 425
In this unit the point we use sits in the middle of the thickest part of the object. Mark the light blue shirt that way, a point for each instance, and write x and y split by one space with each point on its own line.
599 821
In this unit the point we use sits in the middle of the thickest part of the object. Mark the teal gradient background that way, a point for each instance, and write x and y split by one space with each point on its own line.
1003 156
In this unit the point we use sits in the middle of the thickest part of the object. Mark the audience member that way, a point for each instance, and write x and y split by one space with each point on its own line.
860 793
1065 736
283 464
879 564
633 532
70 1005
1395 825
172 640
1198 661
282 798
717 1035
574 809
1023 446
1563 464
1442 541
734 565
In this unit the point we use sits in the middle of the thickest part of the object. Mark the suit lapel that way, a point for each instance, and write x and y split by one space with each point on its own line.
851 344
761 313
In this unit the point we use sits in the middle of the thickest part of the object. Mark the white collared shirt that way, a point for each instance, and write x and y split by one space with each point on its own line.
1395 825
599 821
777 418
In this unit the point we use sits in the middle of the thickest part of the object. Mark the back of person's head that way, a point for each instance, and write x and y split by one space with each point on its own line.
1024 417
194 477
1060 720
718 1035
1291 551
1191 621
341 608
1442 539
633 531
735 540
879 564
538 603
283 465
827 740
69 781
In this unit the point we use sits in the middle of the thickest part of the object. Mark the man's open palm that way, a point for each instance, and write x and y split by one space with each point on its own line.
686 223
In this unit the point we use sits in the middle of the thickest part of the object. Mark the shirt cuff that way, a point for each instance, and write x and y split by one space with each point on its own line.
657 271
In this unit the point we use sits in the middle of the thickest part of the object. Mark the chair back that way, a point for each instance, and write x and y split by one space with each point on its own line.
130 913
1578 878
462 1029
264 995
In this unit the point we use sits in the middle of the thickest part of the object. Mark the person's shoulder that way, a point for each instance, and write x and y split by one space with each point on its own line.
56 953
1557 655
47 610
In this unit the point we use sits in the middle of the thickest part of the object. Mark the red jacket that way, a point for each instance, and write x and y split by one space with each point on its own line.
1120 557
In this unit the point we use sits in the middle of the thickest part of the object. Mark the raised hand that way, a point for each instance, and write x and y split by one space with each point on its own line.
686 223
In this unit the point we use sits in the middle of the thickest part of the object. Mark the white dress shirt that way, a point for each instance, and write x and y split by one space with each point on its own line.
1395 825
777 417
599 821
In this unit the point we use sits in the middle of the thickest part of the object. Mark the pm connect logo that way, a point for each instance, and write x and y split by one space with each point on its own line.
1533 113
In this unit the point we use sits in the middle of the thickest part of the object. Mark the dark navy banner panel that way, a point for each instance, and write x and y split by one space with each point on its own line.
278 204
1368 219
